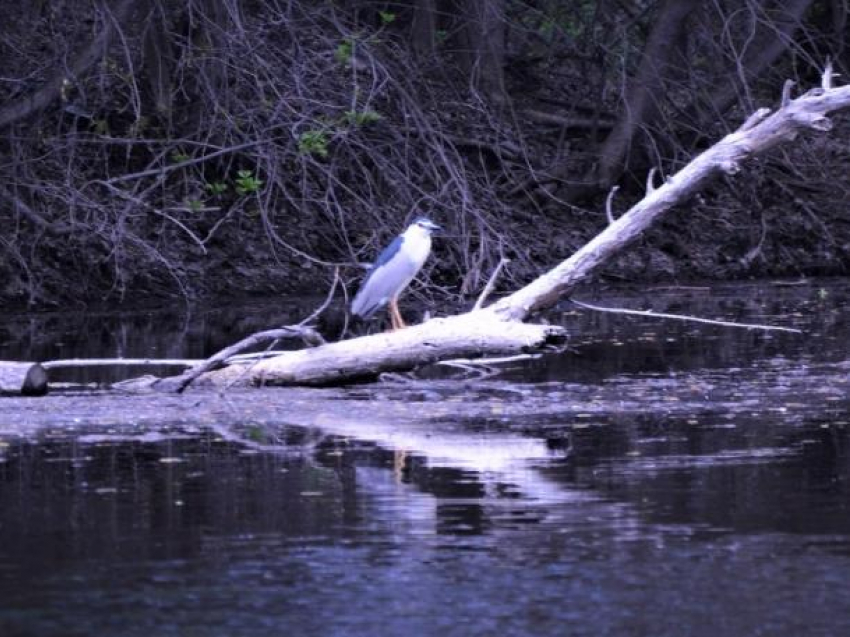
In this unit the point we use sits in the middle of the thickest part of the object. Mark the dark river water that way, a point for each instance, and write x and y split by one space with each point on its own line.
657 478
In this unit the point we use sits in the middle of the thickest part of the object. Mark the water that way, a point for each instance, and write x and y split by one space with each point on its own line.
656 479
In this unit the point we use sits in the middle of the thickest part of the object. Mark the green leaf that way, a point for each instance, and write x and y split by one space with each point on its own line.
313 142
344 51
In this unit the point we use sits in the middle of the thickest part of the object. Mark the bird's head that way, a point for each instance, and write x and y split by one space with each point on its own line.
426 225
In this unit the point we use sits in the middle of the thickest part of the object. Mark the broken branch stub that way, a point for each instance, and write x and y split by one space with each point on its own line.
26 379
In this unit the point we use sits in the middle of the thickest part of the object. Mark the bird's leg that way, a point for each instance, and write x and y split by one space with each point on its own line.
395 315
393 325
399 464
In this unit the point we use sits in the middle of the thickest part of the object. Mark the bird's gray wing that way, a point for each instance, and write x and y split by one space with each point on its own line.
383 283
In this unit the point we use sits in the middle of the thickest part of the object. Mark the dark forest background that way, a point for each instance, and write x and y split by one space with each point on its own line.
204 148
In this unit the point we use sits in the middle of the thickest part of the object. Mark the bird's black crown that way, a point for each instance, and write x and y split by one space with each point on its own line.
427 224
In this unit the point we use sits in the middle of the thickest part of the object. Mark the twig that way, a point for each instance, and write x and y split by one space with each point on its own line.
490 284
828 74
140 202
680 317
326 302
786 92
601 123
485 367
309 335
650 181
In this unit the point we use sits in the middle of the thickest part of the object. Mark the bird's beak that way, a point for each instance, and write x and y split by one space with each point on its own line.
433 227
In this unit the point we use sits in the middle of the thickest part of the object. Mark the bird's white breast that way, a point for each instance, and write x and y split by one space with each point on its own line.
417 246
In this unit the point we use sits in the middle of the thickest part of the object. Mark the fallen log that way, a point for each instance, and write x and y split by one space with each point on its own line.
478 333
27 379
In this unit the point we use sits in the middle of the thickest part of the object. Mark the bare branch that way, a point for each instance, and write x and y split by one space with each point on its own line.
183 164
828 75
180 383
32 216
650 181
307 334
786 92
491 283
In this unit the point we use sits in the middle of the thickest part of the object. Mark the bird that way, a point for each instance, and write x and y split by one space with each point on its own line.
393 271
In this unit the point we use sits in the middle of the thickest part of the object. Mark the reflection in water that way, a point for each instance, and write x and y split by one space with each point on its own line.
660 479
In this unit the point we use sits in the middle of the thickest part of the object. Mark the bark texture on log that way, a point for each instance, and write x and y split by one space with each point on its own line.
27 379
473 334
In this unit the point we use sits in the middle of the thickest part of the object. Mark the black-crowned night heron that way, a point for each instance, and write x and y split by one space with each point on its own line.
393 271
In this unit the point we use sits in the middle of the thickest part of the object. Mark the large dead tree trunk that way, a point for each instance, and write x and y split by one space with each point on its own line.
475 333
481 43
644 89
88 57
423 30
497 329
774 25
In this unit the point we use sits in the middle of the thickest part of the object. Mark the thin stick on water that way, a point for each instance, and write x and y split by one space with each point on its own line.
680 317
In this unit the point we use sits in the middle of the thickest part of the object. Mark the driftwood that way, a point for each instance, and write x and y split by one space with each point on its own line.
28 379
762 131
498 329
